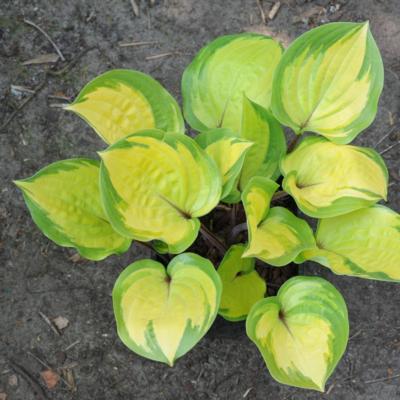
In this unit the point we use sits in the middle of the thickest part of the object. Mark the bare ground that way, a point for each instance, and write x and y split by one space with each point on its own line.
36 275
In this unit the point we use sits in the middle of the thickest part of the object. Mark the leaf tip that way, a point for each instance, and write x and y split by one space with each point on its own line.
20 184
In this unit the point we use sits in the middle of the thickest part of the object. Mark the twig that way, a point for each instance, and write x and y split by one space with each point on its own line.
330 389
384 137
72 345
49 323
69 66
23 104
58 105
157 56
38 360
387 378
59 97
135 8
247 392
355 334
46 36
262 13
223 207
389 148
210 237
38 88
137 44
22 89
38 390
46 366
274 10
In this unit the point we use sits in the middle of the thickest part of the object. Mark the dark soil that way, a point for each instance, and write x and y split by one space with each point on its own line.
38 276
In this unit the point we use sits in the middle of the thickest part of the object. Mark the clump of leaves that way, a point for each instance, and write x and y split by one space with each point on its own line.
154 183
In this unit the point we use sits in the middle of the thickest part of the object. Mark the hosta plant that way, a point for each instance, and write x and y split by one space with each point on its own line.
182 191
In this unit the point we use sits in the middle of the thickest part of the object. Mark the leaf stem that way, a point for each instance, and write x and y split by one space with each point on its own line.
292 143
236 230
211 238
279 195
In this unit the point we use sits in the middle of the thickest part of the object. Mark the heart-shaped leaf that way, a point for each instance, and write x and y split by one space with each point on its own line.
64 201
302 332
162 314
276 236
228 151
329 81
155 185
260 127
242 286
214 83
364 243
120 102
327 179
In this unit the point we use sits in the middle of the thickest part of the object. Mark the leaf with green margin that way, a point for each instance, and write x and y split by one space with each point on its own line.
327 179
329 81
154 186
364 243
242 285
302 332
64 201
230 66
121 102
162 314
261 127
228 151
276 236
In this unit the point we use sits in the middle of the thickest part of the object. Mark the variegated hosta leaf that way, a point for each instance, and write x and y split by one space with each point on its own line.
228 151
242 286
302 332
364 243
64 201
329 82
276 236
327 179
214 83
260 127
155 185
120 102
162 314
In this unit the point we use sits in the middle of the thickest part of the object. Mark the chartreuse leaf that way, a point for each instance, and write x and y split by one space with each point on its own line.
363 243
228 151
242 286
121 102
161 314
155 185
214 83
329 81
260 127
276 236
327 179
302 332
64 201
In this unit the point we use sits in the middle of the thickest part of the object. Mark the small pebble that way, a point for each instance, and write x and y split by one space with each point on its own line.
13 380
